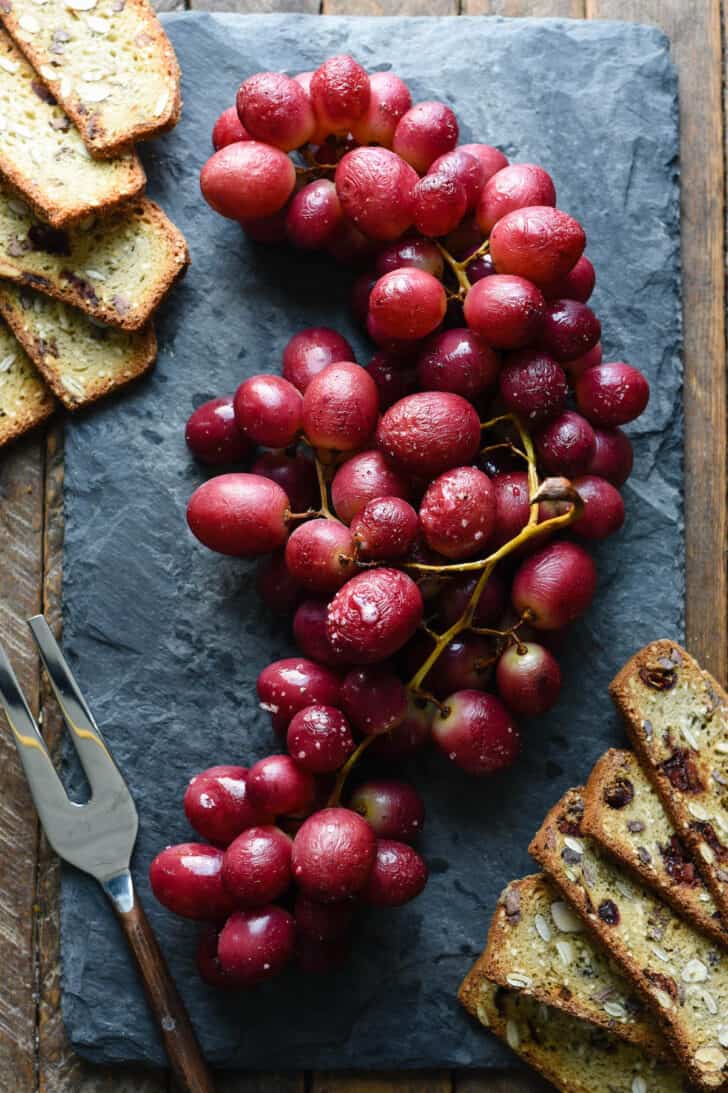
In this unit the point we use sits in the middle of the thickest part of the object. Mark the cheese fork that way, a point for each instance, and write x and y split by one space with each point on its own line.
98 838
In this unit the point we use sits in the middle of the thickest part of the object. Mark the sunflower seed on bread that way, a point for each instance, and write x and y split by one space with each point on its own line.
682 973
80 359
625 816
574 1056
107 62
43 157
116 269
25 401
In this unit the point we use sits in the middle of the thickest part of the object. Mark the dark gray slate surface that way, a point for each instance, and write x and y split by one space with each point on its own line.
167 638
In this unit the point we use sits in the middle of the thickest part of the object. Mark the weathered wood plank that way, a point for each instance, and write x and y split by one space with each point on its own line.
21 536
695 31
390 7
501 1081
386 1082
235 1082
536 8
257 7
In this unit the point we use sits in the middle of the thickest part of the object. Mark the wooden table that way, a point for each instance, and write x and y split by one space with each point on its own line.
34 1052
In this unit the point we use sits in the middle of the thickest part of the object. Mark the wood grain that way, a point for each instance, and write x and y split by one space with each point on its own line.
574 9
390 7
386 1082
311 7
506 1081
695 32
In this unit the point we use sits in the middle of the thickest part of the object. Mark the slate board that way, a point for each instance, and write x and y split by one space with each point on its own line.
167 638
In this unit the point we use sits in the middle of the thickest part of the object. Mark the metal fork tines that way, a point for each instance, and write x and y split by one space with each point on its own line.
97 837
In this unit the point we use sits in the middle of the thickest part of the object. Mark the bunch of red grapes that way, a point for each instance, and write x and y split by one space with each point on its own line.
413 511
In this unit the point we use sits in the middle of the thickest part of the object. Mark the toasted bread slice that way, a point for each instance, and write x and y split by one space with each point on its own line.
43 157
25 401
574 1056
117 269
107 62
537 944
625 816
681 973
676 716
81 360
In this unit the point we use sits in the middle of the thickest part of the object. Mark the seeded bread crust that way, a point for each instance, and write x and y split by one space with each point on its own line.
574 1056
625 816
118 269
25 401
107 62
676 716
80 360
42 155
679 971
537 945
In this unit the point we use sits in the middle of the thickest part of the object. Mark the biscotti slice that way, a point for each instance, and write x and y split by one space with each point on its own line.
536 944
677 719
116 269
80 359
107 62
625 816
574 1056
43 157
680 971
25 401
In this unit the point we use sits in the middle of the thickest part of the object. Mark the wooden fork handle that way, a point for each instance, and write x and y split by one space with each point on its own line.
180 1041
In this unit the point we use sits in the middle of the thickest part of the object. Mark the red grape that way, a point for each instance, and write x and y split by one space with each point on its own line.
389 99
430 432
540 243
239 514
320 133
394 809
320 555
310 351
465 168
507 311
268 411
555 585
515 187
426 131
375 188
363 478
490 159
439 205
212 433
287 686
187 879
407 304
612 394
534 385
384 529
409 737
340 93
275 109
350 247
256 868
465 239
374 615
217 806
455 594
418 253
603 513
228 129
279 787
323 921
374 699
209 968
480 267
398 875
333 855
512 506
579 365
528 679
247 180
475 730
275 585
459 361
295 474
577 284
360 292
613 456
570 329
256 945
340 407
566 444
458 512
319 739
314 215
309 630
394 376
466 664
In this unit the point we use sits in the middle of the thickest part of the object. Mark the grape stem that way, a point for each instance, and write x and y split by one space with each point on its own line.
324 511
345 771
458 268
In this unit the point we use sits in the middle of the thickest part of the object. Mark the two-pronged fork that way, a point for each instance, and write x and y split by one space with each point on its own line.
98 837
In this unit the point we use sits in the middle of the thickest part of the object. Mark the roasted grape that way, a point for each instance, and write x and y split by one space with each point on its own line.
247 180
407 304
239 514
333 855
475 730
275 109
426 131
340 407
458 512
212 433
319 739
554 586
459 361
385 529
528 679
376 191
310 351
429 432
320 555
514 187
374 615
507 311
268 410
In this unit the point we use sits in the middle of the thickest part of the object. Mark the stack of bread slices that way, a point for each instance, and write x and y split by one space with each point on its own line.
609 970
85 257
